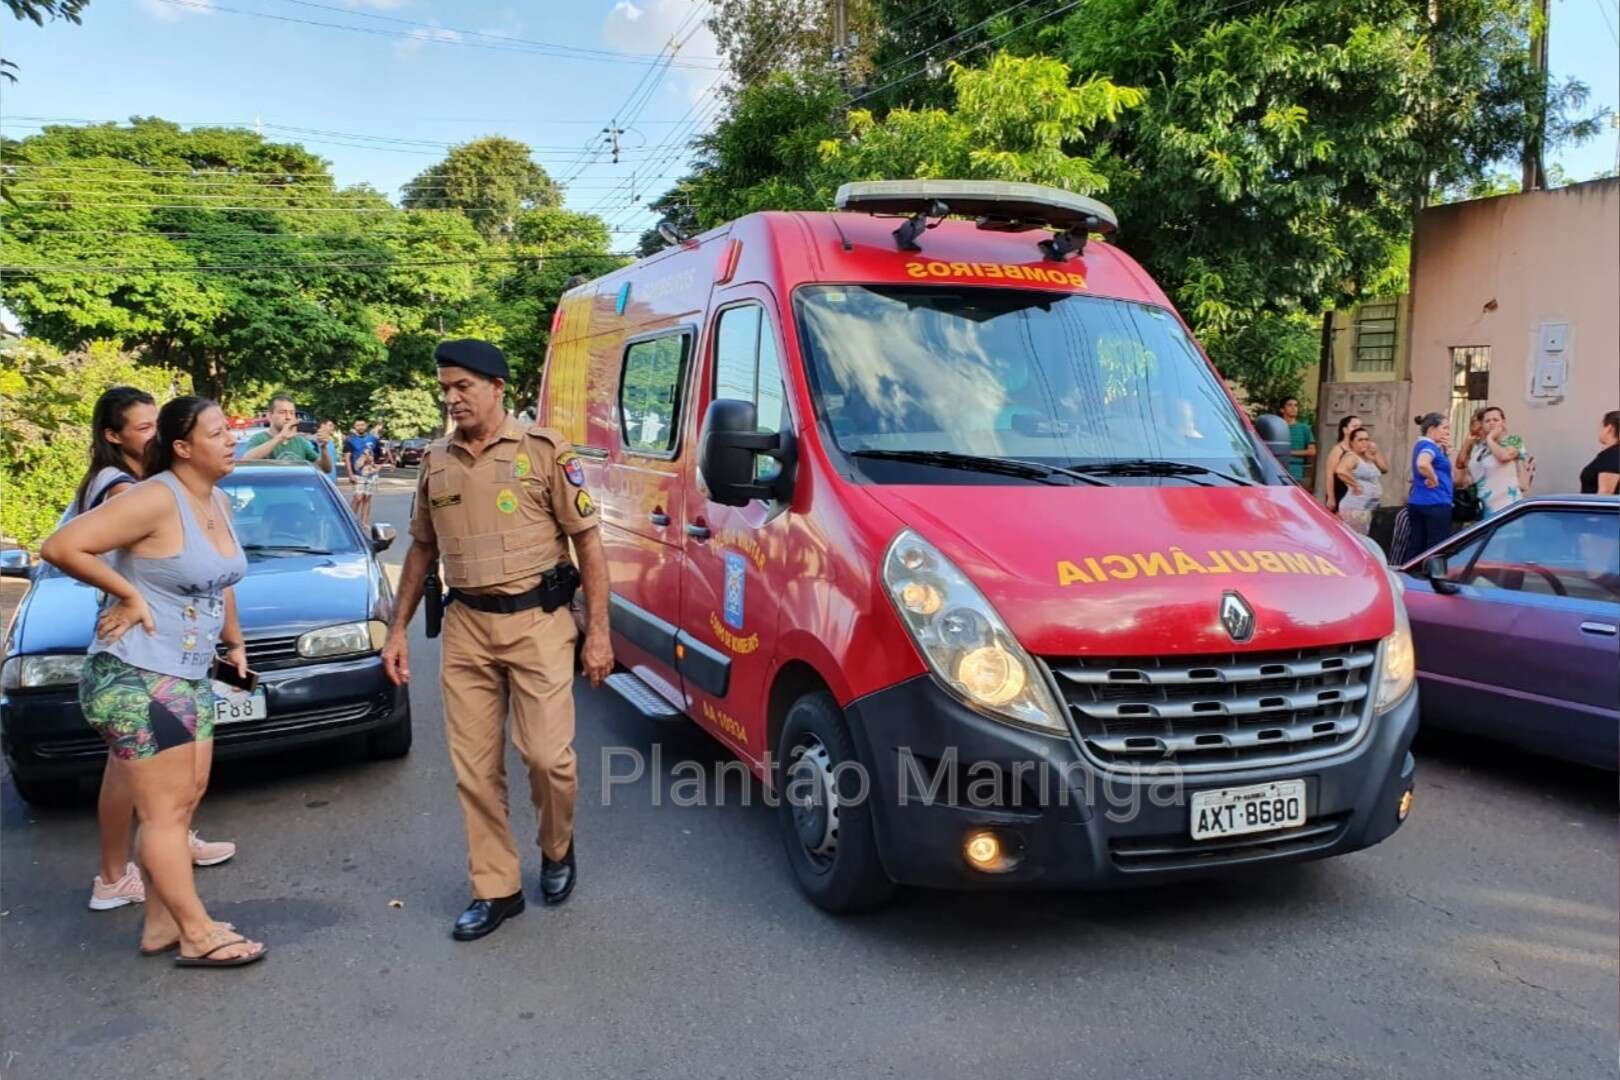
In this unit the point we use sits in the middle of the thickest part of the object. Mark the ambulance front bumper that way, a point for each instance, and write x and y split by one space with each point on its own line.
942 774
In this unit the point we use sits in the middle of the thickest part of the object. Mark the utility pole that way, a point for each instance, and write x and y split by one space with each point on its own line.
613 132
1535 175
840 41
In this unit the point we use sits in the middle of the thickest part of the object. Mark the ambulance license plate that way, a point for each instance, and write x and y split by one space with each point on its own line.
232 706
1235 811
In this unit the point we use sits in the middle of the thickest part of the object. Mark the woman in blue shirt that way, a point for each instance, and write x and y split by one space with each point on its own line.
1429 505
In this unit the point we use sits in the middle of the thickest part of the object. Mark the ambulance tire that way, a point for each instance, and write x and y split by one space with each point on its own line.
835 861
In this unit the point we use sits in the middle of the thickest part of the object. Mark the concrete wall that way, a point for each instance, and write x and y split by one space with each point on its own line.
1493 272
1384 408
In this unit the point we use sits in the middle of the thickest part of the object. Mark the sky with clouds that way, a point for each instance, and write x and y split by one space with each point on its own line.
381 88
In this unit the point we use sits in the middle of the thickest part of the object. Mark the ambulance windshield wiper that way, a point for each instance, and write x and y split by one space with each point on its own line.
951 459
1159 467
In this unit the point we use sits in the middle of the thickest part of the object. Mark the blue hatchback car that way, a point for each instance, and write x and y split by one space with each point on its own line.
314 608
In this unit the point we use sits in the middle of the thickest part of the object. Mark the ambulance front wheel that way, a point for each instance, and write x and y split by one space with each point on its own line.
824 809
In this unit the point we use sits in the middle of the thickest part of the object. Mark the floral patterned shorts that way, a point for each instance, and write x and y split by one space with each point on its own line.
141 712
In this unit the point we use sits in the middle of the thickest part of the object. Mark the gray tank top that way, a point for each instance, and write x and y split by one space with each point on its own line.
186 593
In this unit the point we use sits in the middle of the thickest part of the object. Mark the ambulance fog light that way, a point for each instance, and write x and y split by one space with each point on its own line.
991 675
986 852
964 641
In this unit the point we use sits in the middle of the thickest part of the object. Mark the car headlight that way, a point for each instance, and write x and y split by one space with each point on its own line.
962 638
347 639
35 672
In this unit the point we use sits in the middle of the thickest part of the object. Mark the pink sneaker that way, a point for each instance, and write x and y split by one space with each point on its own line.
210 852
129 889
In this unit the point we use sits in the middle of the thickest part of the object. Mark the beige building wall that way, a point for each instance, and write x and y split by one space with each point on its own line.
1375 332
1523 275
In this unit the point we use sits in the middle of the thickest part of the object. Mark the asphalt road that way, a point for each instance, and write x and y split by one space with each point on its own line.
1479 941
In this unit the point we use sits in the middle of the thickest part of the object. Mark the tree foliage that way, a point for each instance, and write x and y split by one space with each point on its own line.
241 262
46 402
1265 158
491 180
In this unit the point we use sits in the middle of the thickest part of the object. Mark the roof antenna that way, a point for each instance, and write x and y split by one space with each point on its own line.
910 229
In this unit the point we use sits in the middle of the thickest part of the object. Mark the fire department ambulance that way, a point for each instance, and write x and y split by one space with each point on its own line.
933 512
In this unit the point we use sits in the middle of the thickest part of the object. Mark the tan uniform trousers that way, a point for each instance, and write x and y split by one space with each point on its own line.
525 659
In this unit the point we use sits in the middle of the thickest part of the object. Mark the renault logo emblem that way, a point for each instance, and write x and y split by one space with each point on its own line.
1237 616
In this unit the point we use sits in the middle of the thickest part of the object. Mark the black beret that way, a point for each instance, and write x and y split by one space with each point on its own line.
474 355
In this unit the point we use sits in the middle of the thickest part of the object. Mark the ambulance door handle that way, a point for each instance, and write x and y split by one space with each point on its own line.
1603 629
659 518
697 530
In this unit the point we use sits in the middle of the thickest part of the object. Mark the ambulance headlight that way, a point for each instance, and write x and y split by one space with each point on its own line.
1397 660
1397 666
962 638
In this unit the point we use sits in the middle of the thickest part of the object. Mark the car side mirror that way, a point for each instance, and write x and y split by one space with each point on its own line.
16 562
728 448
382 536
1273 431
1434 568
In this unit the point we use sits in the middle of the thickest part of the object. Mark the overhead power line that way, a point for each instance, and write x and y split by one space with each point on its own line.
434 34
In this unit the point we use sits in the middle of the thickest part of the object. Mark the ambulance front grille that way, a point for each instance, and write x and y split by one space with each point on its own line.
1230 710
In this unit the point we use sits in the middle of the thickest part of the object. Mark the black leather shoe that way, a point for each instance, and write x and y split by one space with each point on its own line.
485 916
557 878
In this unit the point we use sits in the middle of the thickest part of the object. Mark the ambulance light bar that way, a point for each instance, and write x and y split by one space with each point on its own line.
998 205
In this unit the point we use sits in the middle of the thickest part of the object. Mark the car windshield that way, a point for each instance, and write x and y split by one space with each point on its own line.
1068 381
288 511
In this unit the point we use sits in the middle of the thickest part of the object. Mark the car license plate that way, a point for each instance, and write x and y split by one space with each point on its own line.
1235 811
232 706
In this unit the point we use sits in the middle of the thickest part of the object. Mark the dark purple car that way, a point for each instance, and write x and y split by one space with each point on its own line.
1515 625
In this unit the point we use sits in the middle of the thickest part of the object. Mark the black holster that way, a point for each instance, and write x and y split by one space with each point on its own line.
433 601
558 585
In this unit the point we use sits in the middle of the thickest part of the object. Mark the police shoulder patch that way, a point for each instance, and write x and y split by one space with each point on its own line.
572 468
584 503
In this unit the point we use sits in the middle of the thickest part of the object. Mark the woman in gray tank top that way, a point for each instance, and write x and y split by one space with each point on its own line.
172 558
121 425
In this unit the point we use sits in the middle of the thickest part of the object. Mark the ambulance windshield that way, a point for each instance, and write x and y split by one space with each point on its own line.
1061 379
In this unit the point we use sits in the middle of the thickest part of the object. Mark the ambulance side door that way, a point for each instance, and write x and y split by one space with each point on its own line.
642 502
735 556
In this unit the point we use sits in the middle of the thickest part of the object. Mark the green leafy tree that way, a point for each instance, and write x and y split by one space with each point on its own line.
1013 119
46 402
407 411
491 180
213 251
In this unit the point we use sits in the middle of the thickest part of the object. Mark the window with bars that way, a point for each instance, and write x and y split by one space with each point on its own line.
1470 384
1375 337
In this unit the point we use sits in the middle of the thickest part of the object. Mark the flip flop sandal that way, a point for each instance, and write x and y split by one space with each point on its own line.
162 950
207 958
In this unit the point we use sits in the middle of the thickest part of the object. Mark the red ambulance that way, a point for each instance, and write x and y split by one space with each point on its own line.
933 512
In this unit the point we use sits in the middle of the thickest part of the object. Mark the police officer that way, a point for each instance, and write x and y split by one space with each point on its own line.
499 502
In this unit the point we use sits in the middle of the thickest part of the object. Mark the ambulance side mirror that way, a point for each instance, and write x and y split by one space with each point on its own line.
1273 431
729 448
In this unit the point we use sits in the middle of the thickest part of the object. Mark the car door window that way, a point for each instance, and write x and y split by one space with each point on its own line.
650 394
1552 553
747 368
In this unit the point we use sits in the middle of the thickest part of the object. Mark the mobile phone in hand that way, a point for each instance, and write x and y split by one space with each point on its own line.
225 672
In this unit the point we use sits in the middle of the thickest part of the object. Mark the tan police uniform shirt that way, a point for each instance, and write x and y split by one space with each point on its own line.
502 519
